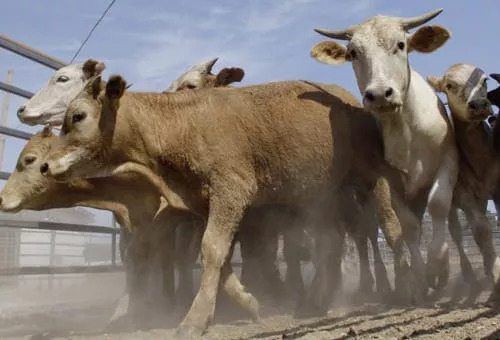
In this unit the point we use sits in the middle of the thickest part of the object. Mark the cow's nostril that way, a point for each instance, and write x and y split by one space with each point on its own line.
472 105
21 110
369 96
44 168
388 92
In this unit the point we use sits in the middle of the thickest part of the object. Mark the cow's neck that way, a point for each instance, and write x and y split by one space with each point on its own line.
149 130
415 138
397 140
475 148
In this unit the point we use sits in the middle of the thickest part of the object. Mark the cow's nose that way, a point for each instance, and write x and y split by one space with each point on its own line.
379 93
478 104
21 110
44 168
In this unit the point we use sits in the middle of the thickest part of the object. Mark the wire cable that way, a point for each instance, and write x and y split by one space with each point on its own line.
92 30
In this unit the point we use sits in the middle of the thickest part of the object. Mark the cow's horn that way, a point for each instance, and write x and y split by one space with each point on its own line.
413 22
337 34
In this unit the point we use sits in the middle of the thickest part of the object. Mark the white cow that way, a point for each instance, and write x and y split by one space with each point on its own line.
201 76
418 136
48 105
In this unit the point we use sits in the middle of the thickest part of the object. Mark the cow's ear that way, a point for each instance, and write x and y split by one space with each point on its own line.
93 87
329 52
115 88
436 83
428 39
92 68
229 75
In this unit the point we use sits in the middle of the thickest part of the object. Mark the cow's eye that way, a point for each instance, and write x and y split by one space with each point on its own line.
78 117
449 86
62 79
401 45
190 86
29 160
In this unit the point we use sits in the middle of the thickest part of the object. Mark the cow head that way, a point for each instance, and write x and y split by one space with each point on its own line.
26 185
49 104
200 76
87 128
466 89
494 95
378 50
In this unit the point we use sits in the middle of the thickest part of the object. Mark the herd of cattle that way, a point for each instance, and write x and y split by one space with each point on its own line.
195 168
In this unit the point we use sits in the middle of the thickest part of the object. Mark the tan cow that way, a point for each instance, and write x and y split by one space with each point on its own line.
479 175
418 136
225 150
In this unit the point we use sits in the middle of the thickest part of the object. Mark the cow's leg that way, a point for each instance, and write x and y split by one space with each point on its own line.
439 206
390 224
250 238
369 225
412 231
481 230
118 319
365 275
382 282
226 211
166 249
496 201
139 256
293 250
188 243
466 268
329 239
270 270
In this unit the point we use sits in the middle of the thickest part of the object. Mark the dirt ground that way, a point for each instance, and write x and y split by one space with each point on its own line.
84 315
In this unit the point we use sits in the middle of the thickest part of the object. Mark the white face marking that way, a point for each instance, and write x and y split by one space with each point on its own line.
466 89
62 165
49 104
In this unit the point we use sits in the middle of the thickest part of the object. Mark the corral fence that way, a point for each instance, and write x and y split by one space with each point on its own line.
42 247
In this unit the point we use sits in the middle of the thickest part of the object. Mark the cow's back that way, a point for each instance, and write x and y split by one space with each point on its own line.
294 137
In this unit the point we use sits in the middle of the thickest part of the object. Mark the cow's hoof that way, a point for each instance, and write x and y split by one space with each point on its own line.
188 333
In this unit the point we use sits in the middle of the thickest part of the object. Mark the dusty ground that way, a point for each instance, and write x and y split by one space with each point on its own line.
83 316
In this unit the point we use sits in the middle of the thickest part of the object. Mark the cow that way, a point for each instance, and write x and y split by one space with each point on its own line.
200 76
47 106
479 168
418 136
225 150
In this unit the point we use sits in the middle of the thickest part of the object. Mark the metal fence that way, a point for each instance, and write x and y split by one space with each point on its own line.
53 241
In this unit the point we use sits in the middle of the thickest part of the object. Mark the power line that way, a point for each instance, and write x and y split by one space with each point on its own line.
92 30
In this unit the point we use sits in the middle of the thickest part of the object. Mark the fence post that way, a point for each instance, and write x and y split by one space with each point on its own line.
5 114
52 258
113 249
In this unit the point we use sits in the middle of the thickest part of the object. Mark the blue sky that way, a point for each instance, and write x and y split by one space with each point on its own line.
150 45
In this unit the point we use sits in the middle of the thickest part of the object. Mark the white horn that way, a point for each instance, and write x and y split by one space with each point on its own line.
413 22
209 64
337 34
